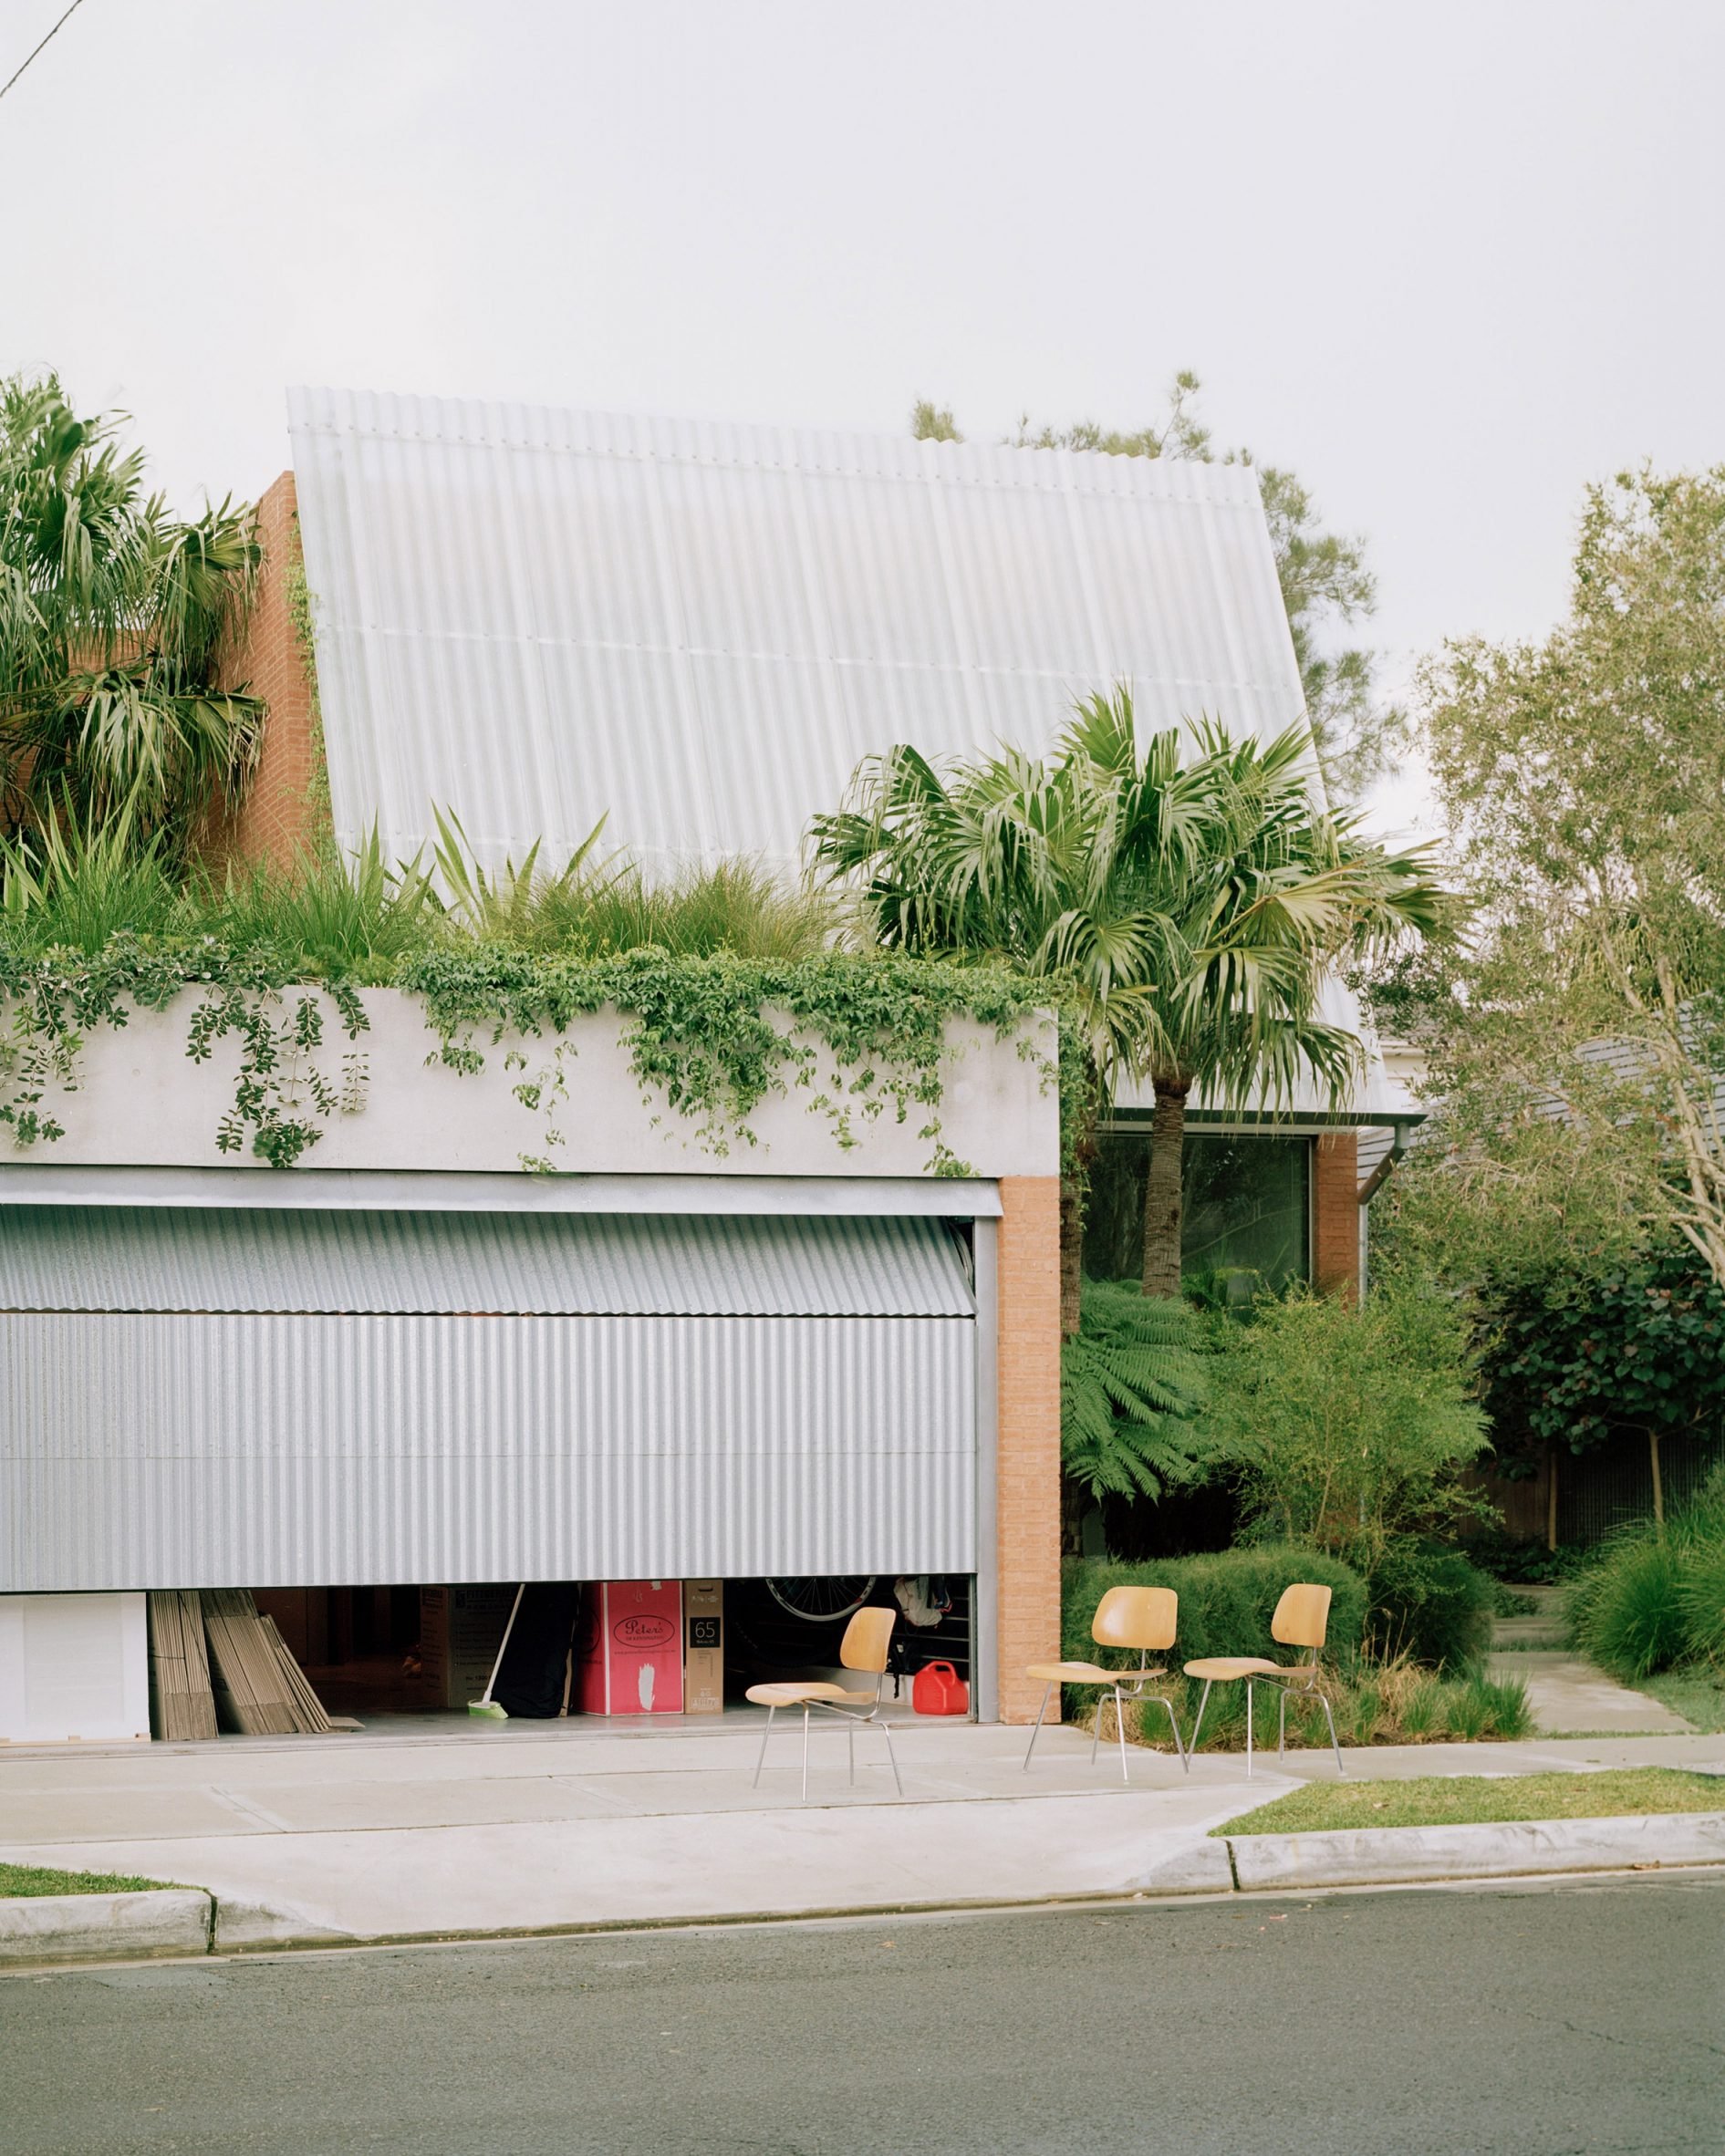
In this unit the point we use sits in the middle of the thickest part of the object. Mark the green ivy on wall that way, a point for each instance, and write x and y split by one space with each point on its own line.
708 1039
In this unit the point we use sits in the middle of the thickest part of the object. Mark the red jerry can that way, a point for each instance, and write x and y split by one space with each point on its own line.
940 1690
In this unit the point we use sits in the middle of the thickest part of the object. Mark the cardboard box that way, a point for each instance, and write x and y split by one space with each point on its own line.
629 1648
461 1630
703 1646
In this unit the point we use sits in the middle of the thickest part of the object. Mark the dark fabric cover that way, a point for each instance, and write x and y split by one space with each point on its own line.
530 1683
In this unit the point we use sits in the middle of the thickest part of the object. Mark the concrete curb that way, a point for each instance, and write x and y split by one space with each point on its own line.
106 1927
1386 1856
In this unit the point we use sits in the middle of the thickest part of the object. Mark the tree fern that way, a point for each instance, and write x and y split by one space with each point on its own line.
1131 1380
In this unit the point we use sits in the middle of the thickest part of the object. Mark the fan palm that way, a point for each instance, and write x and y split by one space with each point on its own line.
113 616
1188 908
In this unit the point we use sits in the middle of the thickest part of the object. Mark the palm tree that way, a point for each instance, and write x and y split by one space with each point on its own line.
113 617
1188 912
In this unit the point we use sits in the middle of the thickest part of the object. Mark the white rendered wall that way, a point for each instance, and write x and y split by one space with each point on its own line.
142 1102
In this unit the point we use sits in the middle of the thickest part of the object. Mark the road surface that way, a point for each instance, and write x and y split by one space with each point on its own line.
1585 2018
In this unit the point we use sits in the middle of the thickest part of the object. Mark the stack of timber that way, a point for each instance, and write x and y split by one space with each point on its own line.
181 1703
260 1690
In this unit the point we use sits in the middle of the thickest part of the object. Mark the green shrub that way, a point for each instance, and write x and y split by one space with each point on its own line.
1652 1598
1625 1613
1345 1426
1226 1602
1701 1599
1432 1604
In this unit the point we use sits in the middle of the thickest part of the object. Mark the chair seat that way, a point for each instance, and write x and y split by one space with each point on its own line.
1087 1673
778 1695
1223 1667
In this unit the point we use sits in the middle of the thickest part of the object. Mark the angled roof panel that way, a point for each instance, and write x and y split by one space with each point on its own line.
539 617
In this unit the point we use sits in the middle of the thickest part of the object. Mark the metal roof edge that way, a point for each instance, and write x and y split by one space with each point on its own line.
437 1191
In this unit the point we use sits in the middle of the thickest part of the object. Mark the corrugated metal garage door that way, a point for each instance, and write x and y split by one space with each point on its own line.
193 1398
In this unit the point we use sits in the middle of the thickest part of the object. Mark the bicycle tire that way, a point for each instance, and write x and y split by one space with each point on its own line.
821 1601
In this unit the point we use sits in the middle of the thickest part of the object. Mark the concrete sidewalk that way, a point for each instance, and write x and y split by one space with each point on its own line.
404 1831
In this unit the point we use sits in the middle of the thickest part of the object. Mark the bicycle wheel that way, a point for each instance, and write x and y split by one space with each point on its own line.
821 1601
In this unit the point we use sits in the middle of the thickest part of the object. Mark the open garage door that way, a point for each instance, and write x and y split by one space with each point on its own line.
194 1397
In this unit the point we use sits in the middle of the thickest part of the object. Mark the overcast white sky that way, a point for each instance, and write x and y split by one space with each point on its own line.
1448 262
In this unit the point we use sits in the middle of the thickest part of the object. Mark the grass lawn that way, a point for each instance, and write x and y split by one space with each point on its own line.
18 1882
1466 1800
1698 1695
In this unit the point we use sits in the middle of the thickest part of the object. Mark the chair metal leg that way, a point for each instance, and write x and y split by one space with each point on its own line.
1174 1727
761 1762
1199 1724
886 1731
1119 1724
1330 1719
805 1719
1282 1725
850 1741
1248 1728
1048 1695
1096 1727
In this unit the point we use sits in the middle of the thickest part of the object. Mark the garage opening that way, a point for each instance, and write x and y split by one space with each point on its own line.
353 1414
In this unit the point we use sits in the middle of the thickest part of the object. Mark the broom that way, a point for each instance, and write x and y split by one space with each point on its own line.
486 1705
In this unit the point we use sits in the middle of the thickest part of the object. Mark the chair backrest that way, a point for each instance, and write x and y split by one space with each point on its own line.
1141 1617
867 1638
1303 1616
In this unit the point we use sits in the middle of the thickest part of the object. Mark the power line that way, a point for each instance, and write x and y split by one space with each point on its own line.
67 17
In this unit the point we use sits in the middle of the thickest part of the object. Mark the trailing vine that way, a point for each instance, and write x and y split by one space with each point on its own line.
708 1039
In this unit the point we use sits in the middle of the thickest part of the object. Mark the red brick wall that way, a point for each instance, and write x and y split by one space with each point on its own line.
282 812
1336 1214
1028 1459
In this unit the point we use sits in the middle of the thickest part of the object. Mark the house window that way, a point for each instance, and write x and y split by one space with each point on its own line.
1246 1210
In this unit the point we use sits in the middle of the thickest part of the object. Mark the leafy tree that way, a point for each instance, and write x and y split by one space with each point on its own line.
1131 1380
1347 1426
1326 583
1189 911
113 616
1584 1355
1577 1037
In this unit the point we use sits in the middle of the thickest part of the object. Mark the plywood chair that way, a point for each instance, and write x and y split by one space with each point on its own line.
1301 1620
864 1648
1140 1617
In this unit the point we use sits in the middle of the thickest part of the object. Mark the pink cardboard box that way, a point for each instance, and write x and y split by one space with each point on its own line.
632 1648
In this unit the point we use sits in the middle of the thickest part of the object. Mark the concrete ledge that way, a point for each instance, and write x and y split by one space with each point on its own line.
1200 1868
1392 1855
105 1927
256 1924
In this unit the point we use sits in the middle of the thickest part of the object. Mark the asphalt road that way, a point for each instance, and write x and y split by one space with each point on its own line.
1584 2017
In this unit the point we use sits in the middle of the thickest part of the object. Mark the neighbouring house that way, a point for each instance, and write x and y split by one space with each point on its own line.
412 1364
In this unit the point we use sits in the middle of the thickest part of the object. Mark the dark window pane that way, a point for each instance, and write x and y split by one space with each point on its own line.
1245 1208
1245 1201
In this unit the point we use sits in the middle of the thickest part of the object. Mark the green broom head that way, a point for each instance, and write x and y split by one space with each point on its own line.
489 1708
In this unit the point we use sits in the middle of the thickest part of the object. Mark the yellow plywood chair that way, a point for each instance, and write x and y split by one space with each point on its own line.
1301 1620
864 1648
1140 1617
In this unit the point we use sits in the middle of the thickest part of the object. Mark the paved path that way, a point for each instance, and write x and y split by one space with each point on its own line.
485 1827
1528 2022
1568 1695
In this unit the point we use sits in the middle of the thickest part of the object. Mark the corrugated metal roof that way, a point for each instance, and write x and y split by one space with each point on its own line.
74 1258
539 617
252 1450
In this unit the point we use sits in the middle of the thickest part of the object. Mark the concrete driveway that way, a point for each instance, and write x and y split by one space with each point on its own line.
410 1830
